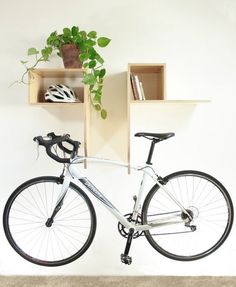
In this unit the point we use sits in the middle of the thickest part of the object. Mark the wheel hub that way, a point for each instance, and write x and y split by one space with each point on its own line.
192 211
49 222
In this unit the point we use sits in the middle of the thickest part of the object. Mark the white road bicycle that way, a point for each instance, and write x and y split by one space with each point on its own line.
51 221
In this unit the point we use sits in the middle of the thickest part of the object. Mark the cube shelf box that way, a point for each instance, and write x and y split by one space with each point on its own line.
152 77
41 79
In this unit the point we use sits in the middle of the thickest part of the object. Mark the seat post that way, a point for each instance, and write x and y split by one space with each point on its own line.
154 141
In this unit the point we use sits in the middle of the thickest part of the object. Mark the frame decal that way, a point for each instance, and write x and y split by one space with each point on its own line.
96 192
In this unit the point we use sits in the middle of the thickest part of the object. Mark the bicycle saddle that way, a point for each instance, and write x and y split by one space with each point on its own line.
154 136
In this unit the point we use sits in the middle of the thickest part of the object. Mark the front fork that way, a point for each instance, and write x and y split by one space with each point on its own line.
65 185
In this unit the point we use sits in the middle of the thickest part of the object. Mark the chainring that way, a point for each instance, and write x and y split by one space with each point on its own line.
124 231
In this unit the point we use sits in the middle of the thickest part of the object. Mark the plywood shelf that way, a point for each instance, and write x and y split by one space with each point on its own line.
57 105
41 79
150 78
169 102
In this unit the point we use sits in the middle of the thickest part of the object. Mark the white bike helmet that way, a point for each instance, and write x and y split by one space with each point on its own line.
59 93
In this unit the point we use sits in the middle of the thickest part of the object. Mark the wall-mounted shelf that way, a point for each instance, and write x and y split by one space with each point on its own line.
41 79
152 79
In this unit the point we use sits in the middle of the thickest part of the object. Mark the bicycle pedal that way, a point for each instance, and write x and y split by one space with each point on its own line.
126 259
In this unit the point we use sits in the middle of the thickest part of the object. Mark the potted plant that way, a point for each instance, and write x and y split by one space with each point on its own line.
81 46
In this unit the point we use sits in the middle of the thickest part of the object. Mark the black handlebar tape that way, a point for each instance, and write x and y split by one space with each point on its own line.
55 157
48 144
39 139
55 139
52 135
64 149
75 144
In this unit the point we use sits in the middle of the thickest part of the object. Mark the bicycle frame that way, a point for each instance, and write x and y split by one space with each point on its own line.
73 172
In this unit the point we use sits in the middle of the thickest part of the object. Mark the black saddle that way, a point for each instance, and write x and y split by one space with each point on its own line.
156 137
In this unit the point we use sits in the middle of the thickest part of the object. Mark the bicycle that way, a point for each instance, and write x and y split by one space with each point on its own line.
51 221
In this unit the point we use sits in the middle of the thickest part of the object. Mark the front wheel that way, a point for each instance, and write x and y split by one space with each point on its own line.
205 227
27 228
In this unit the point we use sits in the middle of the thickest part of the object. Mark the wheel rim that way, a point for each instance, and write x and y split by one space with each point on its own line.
207 202
70 234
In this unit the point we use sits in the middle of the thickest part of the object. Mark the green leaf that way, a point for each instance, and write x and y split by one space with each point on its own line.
32 51
103 41
85 65
99 89
83 34
100 81
92 34
99 58
67 32
74 31
77 40
89 79
103 114
92 54
91 89
46 52
83 47
24 62
92 64
84 56
97 107
50 40
90 43
98 97
54 41
53 33
96 73
102 73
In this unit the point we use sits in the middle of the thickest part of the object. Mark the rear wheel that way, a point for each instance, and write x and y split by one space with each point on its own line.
26 217
209 206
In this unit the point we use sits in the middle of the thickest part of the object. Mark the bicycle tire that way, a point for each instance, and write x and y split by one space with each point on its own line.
27 211
208 202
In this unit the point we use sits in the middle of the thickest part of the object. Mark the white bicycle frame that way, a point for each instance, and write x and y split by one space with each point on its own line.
72 172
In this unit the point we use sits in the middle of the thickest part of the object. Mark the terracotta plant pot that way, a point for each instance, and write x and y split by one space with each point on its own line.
70 55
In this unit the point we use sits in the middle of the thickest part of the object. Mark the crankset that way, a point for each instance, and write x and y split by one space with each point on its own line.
125 232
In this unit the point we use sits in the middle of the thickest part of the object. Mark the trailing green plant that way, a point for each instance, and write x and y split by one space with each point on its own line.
92 62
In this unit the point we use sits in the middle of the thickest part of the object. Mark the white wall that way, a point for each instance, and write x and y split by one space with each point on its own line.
196 39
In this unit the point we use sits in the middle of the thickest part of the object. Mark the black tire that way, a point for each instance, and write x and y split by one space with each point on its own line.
26 213
208 202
